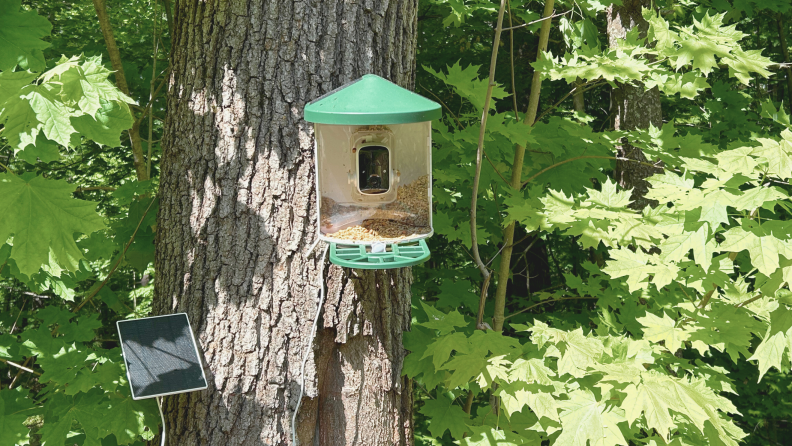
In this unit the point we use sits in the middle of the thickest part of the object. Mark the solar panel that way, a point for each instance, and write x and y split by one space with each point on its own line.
161 356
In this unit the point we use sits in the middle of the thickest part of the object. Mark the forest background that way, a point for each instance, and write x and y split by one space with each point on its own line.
630 311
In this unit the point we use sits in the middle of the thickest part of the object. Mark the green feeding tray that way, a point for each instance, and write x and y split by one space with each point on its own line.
371 100
395 256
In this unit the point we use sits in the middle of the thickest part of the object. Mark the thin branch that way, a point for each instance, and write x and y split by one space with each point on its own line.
554 106
549 300
444 105
511 60
519 160
118 262
537 21
20 366
479 154
750 301
7 169
495 168
13 327
16 377
586 157
83 189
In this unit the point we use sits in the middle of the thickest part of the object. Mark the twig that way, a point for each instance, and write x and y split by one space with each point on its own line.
537 21
549 300
554 106
21 309
7 169
24 364
485 273
519 160
495 168
586 157
749 301
118 262
19 366
444 105
83 189
511 60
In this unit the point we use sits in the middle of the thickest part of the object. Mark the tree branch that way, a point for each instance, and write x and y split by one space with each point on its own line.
118 262
517 165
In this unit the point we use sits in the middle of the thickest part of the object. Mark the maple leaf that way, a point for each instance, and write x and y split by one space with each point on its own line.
777 155
764 250
15 408
464 367
467 84
128 419
440 350
676 247
743 63
443 322
63 366
531 371
487 436
444 415
657 394
778 338
585 421
663 329
43 217
20 37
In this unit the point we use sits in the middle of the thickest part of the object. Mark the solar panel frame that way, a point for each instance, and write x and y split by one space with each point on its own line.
194 346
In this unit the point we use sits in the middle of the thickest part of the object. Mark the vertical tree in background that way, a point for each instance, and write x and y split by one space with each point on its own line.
632 105
237 220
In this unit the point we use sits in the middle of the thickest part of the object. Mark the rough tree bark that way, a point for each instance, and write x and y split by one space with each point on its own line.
634 107
237 219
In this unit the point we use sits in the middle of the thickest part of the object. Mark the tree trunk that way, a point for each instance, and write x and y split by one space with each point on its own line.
238 216
636 107
785 51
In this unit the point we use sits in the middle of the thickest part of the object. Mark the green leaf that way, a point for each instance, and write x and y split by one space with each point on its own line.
53 115
128 419
63 366
43 149
676 248
467 84
585 421
464 368
658 394
488 436
15 408
43 217
664 330
778 338
444 415
440 350
444 323
20 37
83 331
111 119
777 155
764 251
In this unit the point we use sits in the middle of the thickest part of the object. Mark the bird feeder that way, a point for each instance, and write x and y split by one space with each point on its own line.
374 173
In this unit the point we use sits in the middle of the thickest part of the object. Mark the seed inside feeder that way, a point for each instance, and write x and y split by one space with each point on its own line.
405 218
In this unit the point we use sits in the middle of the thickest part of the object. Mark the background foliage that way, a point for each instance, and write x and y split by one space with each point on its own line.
663 325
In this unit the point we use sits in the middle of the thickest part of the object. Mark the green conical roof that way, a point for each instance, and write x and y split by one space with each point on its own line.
371 100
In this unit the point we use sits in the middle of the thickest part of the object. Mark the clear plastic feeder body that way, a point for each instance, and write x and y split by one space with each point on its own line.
374 182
